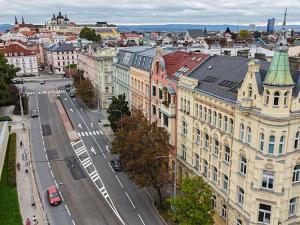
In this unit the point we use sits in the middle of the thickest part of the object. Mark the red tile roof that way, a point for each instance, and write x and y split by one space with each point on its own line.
180 59
15 50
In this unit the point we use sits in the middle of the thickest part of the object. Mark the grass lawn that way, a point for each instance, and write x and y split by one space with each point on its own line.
9 204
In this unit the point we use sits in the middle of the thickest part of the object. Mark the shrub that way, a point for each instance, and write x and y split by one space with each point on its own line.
11 160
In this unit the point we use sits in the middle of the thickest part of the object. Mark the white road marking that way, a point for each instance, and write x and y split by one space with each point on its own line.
86 133
129 199
94 132
110 167
79 134
93 150
101 132
65 99
98 132
119 181
90 133
71 110
79 125
67 210
52 173
49 165
46 156
141 219
107 148
82 134
55 183
92 125
73 222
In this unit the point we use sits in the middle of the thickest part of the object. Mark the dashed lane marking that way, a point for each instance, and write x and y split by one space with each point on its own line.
67 210
119 181
141 219
129 199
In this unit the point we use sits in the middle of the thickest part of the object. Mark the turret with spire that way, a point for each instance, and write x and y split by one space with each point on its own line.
23 22
16 20
279 72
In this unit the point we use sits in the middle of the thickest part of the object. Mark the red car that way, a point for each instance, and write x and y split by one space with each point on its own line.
53 196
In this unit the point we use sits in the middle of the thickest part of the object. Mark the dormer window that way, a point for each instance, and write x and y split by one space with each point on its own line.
267 99
276 98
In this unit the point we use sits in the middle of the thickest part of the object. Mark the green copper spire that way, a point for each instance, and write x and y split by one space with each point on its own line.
279 72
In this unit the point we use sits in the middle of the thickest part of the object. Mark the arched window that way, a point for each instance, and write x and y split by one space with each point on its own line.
209 116
276 98
181 103
200 112
286 99
184 127
188 107
225 124
216 145
250 91
156 67
242 132
220 121
261 141
296 140
231 126
296 174
243 165
205 114
267 98
215 119
196 110
281 145
271 144
184 105
249 135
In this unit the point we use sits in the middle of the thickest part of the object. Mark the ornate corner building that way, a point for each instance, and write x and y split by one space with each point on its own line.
238 126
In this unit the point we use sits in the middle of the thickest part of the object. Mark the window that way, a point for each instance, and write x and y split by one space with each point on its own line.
281 145
296 174
160 93
239 222
106 90
231 126
240 196
243 165
268 179
214 201
250 92
200 112
220 121
165 120
181 103
293 207
249 136
197 159
296 140
215 174
183 152
209 116
227 154
261 142
276 99
224 212
153 109
242 132
206 140
184 105
184 127
225 124
197 139
271 144
205 170
285 99
264 214
225 182
215 119
205 114
216 146
188 107
154 91
196 110
267 99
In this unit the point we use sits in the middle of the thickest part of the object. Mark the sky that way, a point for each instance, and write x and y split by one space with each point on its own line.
243 12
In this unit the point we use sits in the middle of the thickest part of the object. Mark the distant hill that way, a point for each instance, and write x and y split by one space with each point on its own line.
184 27
5 27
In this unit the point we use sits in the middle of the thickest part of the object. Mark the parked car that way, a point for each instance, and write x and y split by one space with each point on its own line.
42 82
67 85
34 113
116 164
68 89
53 196
72 95
17 81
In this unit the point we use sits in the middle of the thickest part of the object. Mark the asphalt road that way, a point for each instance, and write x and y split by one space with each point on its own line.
132 203
82 204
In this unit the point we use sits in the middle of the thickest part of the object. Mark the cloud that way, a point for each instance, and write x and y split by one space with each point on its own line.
152 12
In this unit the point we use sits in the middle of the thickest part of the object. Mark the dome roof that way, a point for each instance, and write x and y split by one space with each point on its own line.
60 16
66 18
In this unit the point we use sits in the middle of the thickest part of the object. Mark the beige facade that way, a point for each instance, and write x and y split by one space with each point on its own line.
248 150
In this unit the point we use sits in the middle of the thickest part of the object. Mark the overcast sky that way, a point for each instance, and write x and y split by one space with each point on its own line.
152 11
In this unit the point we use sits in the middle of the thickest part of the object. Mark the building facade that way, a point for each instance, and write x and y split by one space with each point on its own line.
22 58
239 128
97 66
59 56
270 26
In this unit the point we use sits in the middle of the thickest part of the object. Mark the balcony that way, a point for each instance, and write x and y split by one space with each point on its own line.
168 109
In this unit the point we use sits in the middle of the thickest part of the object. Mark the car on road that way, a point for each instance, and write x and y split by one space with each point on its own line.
34 113
67 85
17 81
42 82
68 89
53 196
116 164
72 95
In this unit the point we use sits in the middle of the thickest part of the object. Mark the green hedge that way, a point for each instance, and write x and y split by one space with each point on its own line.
5 118
11 160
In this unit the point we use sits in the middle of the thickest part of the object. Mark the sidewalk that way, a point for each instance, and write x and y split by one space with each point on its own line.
28 197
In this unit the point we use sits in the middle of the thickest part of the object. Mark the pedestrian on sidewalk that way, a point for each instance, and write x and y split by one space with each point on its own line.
27 222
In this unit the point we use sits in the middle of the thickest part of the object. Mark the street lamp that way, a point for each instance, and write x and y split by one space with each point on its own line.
116 110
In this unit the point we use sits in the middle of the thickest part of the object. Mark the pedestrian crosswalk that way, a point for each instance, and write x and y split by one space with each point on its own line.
89 133
45 92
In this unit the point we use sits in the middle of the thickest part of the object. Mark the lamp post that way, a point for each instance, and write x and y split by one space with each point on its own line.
116 110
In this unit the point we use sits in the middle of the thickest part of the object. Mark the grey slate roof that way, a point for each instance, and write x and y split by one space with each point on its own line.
221 76
61 47
126 56
195 33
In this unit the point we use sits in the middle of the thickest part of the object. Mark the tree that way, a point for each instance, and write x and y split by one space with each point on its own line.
90 34
86 91
244 34
193 205
7 71
257 34
117 109
143 148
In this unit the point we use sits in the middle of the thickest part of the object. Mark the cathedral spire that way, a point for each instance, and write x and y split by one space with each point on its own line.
23 22
282 40
16 21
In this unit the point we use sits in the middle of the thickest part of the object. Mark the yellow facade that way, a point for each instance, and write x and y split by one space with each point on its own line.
247 151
